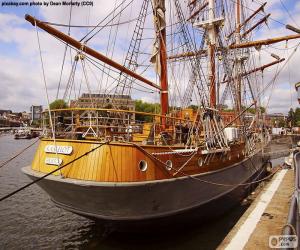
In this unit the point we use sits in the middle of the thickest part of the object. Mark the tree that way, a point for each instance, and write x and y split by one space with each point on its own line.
141 106
281 123
291 118
58 104
297 117
253 110
193 107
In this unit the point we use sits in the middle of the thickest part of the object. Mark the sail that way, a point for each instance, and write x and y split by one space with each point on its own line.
159 24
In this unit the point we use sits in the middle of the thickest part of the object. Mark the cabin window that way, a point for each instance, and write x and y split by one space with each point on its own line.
143 165
169 165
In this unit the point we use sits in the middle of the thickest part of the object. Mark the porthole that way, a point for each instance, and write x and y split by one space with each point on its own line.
143 165
200 162
169 165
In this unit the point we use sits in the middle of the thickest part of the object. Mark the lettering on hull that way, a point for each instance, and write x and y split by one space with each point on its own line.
53 161
65 150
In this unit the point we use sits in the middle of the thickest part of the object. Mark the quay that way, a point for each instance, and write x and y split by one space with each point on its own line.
273 211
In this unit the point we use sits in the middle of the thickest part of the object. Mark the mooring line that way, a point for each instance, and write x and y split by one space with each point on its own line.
15 156
46 175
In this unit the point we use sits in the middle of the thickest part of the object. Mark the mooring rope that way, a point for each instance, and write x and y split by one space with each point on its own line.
15 156
46 175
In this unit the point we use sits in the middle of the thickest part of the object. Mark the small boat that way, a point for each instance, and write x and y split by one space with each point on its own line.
23 133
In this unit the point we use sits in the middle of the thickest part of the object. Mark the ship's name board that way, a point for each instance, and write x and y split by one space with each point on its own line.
65 150
53 161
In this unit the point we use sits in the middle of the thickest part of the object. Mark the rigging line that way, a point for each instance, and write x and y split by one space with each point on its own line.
113 11
71 78
15 156
114 38
46 89
277 73
50 173
107 51
234 1
87 82
66 47
291 95
291 17
115 79
94 62
118 14
103 65
92 26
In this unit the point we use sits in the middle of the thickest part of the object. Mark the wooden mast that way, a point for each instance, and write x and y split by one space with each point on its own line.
211 53
250 44
87 50
164 99
261 68
263 42
238 63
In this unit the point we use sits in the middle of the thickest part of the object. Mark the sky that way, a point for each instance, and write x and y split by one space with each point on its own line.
21 78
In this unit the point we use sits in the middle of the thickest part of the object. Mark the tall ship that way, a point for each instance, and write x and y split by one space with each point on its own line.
111 157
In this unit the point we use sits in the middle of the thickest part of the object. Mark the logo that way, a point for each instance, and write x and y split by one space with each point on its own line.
283 241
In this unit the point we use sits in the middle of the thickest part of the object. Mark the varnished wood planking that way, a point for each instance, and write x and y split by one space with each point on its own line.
117 162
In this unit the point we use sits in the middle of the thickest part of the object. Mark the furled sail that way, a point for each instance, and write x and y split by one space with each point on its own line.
159 24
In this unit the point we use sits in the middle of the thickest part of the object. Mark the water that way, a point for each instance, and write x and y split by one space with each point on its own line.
29 220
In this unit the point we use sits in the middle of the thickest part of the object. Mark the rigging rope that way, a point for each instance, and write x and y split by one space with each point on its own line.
65 52
46 175
119 13
46 90
16 155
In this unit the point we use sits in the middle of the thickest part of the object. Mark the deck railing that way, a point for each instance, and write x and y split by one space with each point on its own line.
115 125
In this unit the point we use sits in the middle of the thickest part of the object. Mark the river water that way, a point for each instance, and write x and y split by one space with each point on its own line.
29 220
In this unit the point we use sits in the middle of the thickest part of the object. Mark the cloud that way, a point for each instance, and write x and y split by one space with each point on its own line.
22 81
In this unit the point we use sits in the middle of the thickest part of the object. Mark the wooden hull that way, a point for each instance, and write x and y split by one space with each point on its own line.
119 162
175 200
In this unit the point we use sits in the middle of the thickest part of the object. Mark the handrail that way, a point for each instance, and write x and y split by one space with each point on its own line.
292 225
117 111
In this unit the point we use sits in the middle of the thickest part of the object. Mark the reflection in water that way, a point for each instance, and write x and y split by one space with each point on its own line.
30 220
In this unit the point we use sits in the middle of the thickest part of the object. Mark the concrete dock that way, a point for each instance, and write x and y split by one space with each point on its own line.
266 216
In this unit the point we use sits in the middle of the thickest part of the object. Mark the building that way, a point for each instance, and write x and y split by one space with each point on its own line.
4 113
104 101
36 112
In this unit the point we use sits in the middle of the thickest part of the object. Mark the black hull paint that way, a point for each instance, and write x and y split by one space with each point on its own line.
130 206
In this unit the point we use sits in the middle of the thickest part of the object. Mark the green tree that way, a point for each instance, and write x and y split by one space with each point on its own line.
141 106
58 104
253 110
291 118
297 117
281 123
193 107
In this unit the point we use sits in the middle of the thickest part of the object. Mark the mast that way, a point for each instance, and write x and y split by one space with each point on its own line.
164 100
238 63
211 53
